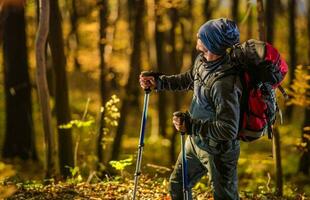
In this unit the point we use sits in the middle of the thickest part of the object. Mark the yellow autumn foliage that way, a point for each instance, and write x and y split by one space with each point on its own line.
300 89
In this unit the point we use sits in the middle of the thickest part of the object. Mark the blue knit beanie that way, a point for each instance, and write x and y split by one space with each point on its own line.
218 35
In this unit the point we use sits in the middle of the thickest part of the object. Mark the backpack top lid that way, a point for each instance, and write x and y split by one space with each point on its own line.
260 58
273 55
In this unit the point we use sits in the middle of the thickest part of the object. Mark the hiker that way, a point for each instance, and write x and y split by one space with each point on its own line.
213 119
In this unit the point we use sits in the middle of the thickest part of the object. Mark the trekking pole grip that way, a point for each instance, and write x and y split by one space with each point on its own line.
148 73
181 115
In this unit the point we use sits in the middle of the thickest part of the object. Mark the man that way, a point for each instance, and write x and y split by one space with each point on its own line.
213 121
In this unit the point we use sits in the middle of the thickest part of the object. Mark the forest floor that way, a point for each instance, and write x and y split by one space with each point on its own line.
151 188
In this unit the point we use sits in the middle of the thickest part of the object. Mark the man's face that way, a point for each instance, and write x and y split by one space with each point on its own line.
200 47
206 53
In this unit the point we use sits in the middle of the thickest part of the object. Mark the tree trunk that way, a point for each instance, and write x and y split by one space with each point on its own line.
279 6
19 134
40 44
304 162
65 147
132 83
188 34
161 63
277 160
308 24
131 5
74 35
207 11
173 60
49 68
149 35
103 20
260 20
235 10
209 6
249 21
276 136
3 16
270 18
292 49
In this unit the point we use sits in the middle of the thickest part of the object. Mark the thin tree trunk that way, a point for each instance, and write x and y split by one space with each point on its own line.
173 58
260 20
49 68
270 18
209 7
150 34
131 10
161 63
277 159
207 10
190 41
292 49
308 24
3 16
19 134
132 83
279 6
65 146
276 136
131 4
304 162
188 34
157 128
100 140
103 20
40 43
114 16
74 34
235 10
249 21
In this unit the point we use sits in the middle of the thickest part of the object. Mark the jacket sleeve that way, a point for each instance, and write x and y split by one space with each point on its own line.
183 81
178 82
226 97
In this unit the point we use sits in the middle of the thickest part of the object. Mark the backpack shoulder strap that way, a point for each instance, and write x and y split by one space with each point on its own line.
217 76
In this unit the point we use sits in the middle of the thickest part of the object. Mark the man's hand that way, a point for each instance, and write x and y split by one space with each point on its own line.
179 124
181 121
147 80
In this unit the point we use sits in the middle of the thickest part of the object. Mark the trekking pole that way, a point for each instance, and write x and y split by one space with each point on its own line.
184 161
147 92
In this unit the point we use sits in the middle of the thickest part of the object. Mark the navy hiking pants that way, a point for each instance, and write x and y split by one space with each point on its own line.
221 168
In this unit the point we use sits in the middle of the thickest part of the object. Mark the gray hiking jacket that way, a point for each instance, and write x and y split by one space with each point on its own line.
215 111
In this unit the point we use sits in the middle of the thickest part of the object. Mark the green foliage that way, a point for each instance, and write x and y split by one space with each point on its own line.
121 164
32 184
75 175
77 123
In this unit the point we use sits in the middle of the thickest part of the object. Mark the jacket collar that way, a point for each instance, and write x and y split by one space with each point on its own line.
216 64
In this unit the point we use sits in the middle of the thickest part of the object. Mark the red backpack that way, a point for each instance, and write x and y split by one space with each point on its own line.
261 71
